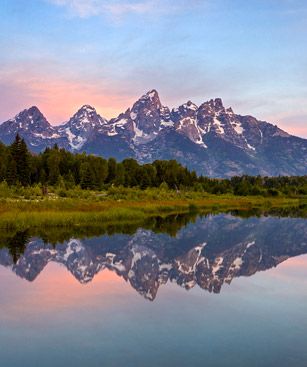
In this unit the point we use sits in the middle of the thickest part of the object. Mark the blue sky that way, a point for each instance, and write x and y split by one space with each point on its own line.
60 54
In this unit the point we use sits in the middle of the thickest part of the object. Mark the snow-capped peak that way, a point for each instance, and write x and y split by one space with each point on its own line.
213 107
86 118
82 125
149 130
30 120
28 116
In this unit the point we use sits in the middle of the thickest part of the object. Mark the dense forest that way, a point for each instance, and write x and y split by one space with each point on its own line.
57 167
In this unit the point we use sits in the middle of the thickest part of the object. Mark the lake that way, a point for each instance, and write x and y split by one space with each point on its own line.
218 290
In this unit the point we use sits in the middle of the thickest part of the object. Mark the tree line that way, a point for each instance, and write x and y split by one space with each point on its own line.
56 166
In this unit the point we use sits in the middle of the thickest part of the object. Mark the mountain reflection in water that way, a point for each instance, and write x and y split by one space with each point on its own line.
184 249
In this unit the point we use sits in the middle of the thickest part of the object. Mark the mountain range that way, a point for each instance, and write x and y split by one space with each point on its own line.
209 253
210 139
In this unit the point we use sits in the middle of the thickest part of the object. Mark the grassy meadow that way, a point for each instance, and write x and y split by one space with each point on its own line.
23 208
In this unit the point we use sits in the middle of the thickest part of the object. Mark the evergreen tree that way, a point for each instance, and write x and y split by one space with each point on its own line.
3 161
21 156
53 168
69 180
23 169
120 175
57 166
11 171
112 168
86 176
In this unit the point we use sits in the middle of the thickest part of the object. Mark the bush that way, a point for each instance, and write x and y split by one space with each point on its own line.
163 186
273 192
5 190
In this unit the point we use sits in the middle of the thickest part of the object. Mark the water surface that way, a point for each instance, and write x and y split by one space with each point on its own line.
221 290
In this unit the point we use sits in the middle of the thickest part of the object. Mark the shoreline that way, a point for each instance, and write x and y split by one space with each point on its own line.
69 212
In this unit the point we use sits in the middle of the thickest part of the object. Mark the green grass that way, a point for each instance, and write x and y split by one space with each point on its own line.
94 209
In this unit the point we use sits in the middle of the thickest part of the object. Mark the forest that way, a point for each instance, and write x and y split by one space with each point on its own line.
59 168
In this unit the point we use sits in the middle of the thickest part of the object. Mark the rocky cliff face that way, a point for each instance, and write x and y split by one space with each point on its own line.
211 139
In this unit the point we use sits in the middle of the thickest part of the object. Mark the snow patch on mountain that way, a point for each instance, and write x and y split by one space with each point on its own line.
238 127
75 141
237 263
219 126
217 266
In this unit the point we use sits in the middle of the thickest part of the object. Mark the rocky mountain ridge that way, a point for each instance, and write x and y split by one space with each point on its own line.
211 139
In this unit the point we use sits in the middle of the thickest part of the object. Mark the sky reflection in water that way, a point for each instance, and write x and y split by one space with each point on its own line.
141 314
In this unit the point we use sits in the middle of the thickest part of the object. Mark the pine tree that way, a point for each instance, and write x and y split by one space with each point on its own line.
86 176
120 175
53 167
24 170
69 180
21 156
3 161
11 171
112 168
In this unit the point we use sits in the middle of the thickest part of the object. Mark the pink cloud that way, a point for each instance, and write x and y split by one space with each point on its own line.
58 98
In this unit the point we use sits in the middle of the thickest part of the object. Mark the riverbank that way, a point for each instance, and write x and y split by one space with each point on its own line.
95 209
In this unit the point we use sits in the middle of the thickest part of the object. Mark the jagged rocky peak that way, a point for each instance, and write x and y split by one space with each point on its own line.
148 131
213 107
84 124
87 108
31 124
147 113
213 117
190 106
143 121
151 98
86 118
185 119
186 109
34 110
31 118
149 102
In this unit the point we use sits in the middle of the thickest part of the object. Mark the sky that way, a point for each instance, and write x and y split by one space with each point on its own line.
62 54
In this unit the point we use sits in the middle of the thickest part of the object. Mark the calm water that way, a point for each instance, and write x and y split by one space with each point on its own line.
213 291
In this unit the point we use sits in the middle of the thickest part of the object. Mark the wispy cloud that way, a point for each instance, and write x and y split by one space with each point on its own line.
120 8
82 8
